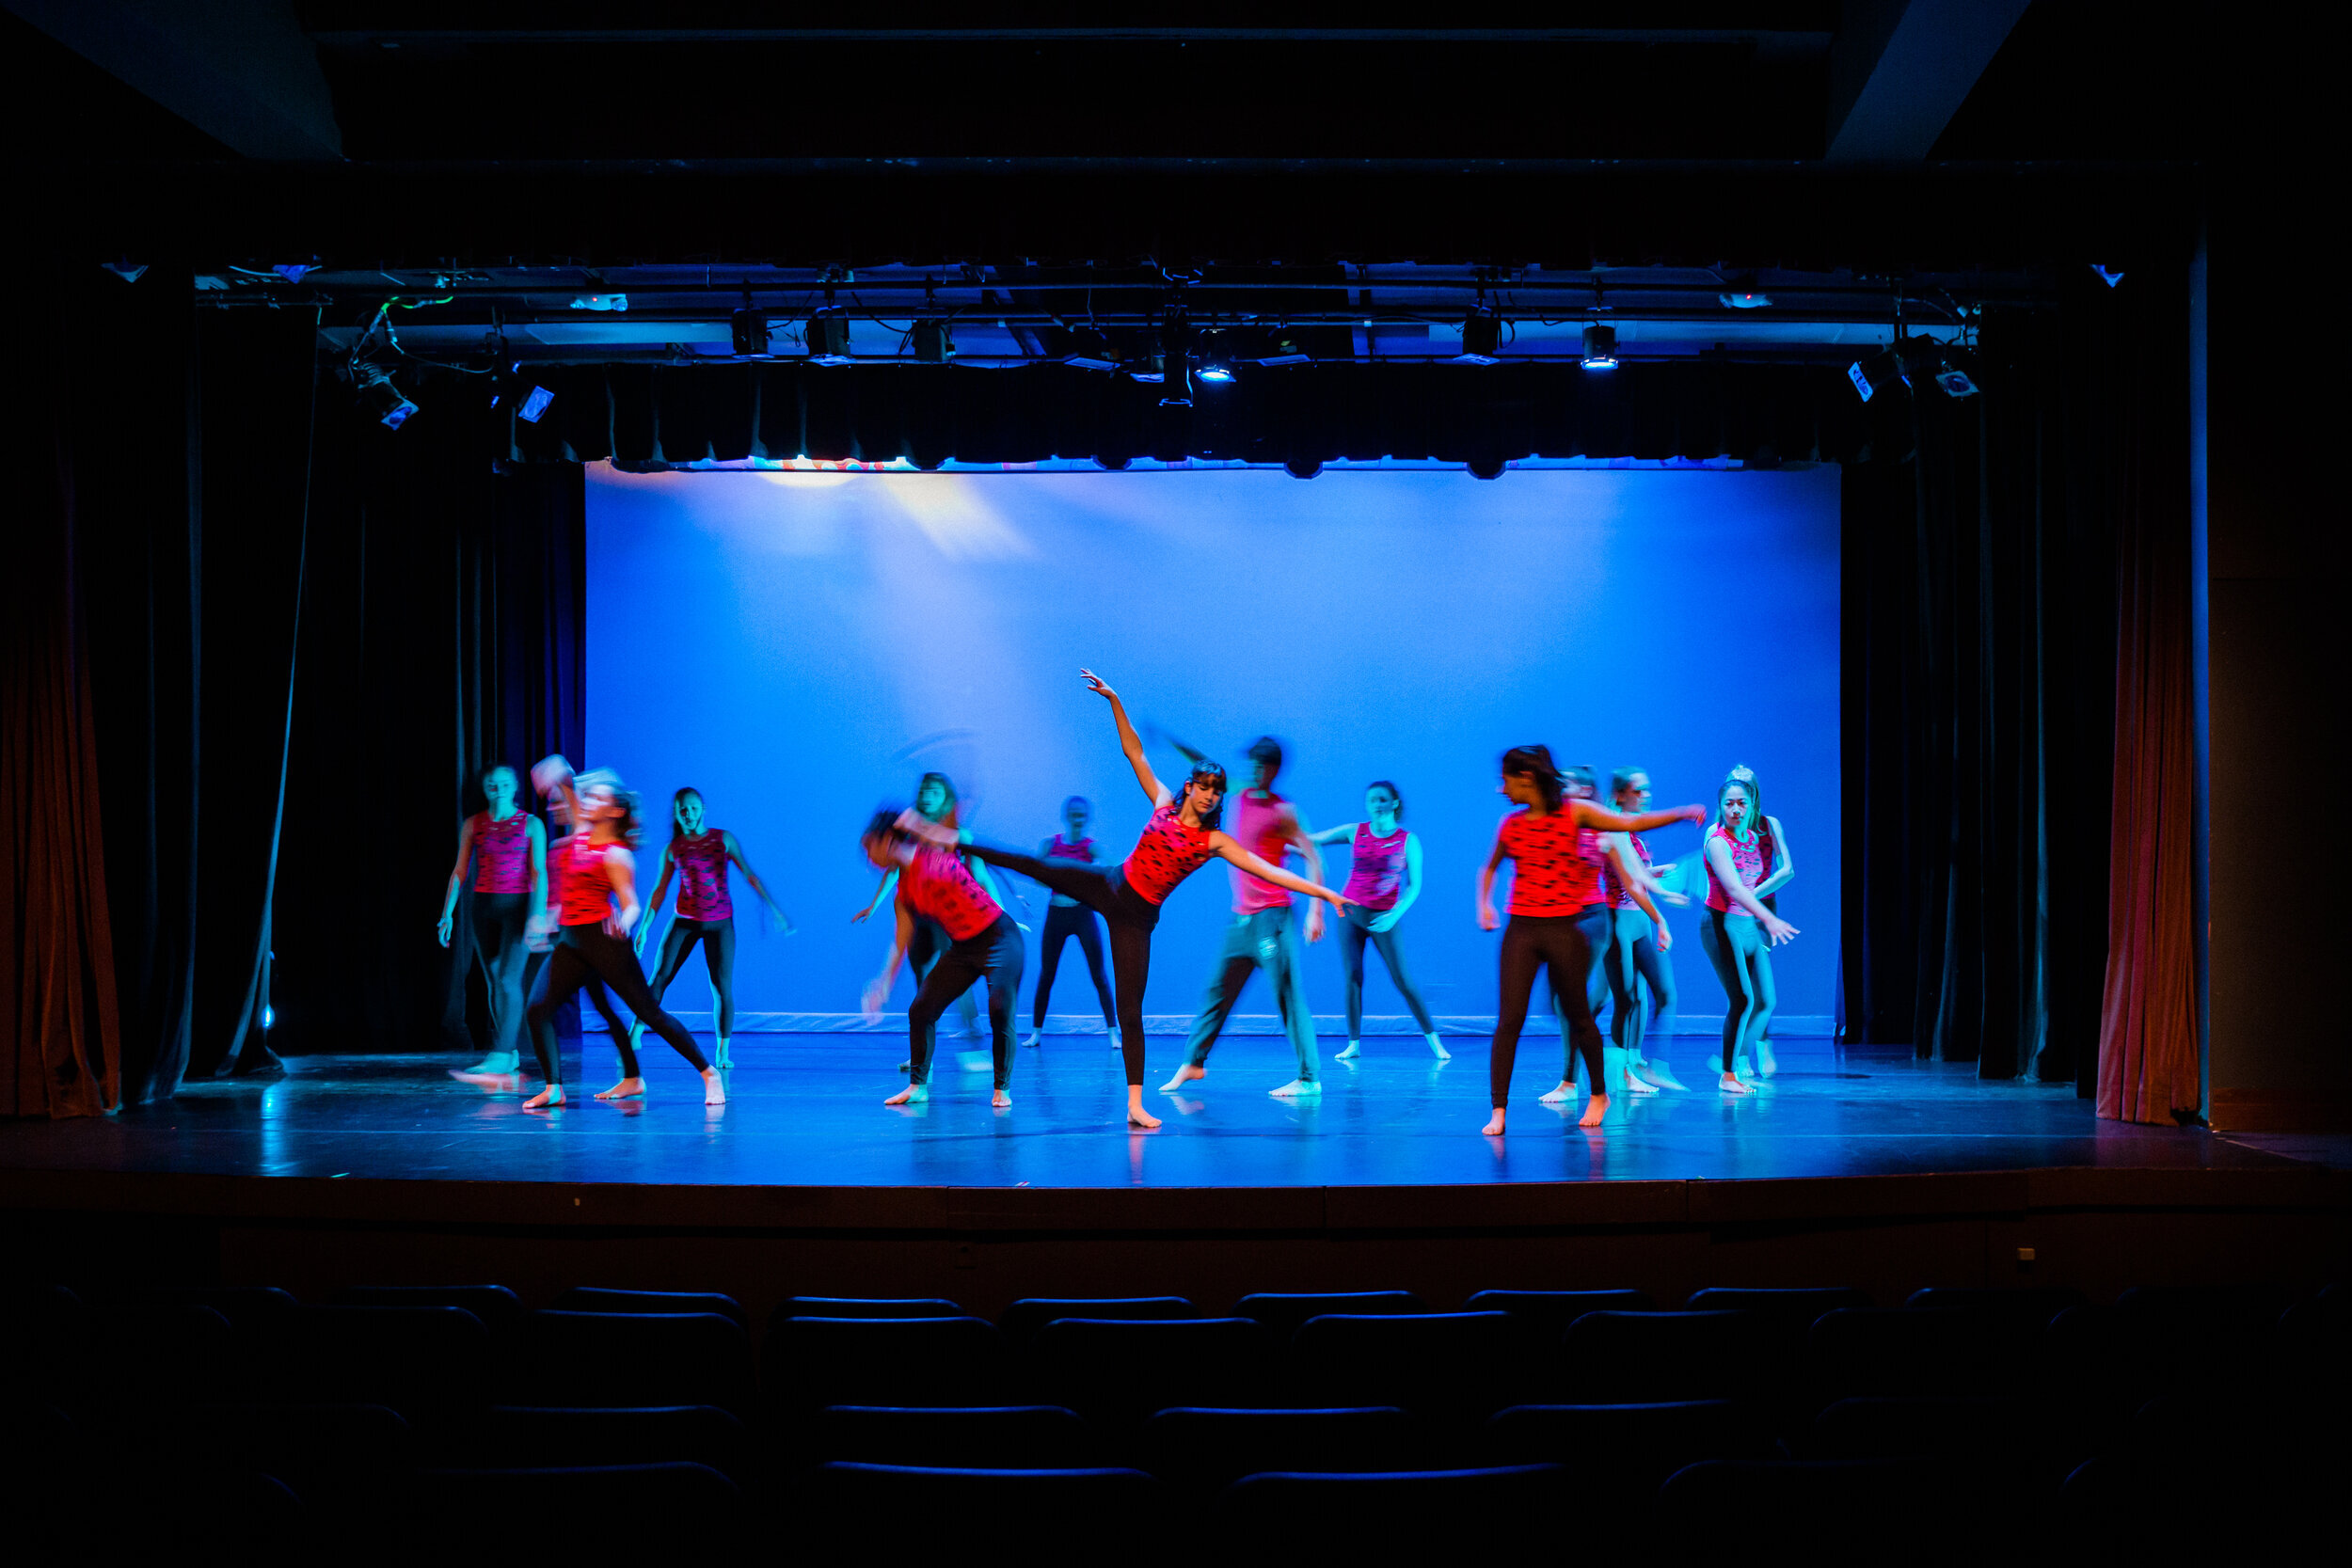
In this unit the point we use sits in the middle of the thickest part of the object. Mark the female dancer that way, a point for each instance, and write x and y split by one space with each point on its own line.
983 941
540 937
1557 919
1580 783
706 913
1065 917
935 798
1739 929
1638 939
1384 879
509 848
1177 840
598 910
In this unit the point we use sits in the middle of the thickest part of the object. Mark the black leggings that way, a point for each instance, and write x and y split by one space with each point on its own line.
994 955
1565 944
1735 947
586 953
1129 918
1062 922
1633 954
499 919
718 939
1354 931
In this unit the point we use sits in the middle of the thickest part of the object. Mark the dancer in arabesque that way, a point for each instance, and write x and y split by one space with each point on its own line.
1178 839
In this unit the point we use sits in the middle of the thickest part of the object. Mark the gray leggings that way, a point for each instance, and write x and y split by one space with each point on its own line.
1354 931
1735 947
1634 955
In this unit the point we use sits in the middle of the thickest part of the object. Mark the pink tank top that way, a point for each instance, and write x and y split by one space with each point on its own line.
935 884
1258 824
1620 895
583 888
1164 855
1746 859
702 870
1060 848
1375 871
501 853
1556 872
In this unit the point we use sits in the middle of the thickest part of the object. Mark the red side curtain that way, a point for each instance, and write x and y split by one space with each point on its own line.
2147 1063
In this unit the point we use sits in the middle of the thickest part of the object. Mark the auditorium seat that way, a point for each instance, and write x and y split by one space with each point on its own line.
1850 1511
629 1359
1023 1318
1952 1430
258 1309
1858 1351
1625 1451
348 1457
1541 1317
2237 1308
1283 1311
157 1356
1201 1450
2107 1362
498 1307
1445 1367
2036 1303
1650 1358
422 1361
1119 1371
906 1362
524 1437
997 1437
866 1306
1786 1313
599 1512
596 1298
1391 1516
901 1513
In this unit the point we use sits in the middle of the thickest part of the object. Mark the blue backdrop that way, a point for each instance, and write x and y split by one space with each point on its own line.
800 647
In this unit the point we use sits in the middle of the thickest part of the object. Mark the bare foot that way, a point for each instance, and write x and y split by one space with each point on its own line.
1560 1096
725 1059
1185 1075
1437 1048
1355 1048
1494 1125
551 1095
914 1094
1298 1088
1035 1038
1137 1115
1658 1075
1595 1109
496 1082
714 1087
627 1088
1000 1100
1731 1084
1766 1063
1634 1085
498 1064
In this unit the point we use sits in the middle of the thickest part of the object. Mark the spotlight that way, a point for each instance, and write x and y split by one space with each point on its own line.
828 338
1216 360
379 397
1875 374
934 344
1742 294
600 302
1954 371
1481 338
748 329
535 404
1600 347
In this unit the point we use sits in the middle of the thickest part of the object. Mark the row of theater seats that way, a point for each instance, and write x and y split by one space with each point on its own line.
618 1415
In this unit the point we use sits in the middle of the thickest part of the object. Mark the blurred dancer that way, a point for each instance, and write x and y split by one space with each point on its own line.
1384 881
1065 917
982 942
935 798
1639 939
706 913
1739 931
509 849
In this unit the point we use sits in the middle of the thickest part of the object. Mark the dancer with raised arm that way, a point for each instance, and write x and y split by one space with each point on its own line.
509 849
706 913
983 943
1065 917
1740 931
1638 938
1179 838
1384 881
1260 935
1557 919
598 910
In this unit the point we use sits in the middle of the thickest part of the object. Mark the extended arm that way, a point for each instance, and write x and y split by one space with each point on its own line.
1335 835
1410 891
902 936
1783 864
1486 921
456 880
537 834
661 883
980 874
1224 846
1130 743
881 891
1637 877
735 853
1590 815
1294 832
1727 874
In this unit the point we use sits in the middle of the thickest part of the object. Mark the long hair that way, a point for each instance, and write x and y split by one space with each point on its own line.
1744 776
1204 769
1395 793
624 797
1538 761
883 825
677 829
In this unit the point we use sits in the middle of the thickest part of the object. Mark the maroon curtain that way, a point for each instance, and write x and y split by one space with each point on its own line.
56 959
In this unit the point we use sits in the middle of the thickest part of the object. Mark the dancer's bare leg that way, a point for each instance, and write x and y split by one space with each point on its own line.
1137 1115
1595 1109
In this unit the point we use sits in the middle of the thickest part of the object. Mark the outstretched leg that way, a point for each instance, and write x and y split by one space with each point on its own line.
618 966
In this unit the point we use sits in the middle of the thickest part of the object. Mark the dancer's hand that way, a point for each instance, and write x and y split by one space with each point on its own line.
870 1004
1386 920
1668 895
1486 921
443 926
1314 921
549 771
859 917
1779 930
1665 937
1094 684
637 940
1693 814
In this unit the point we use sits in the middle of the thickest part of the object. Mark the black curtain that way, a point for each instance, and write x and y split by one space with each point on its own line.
1979 655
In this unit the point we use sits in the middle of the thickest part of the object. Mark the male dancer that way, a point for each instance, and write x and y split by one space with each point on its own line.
1260 935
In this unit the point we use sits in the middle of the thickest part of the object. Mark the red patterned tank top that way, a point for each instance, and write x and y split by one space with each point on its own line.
1620 895
501 853
935 884
1375 870
702 870
1746 859
1556 872
583 888
1166 854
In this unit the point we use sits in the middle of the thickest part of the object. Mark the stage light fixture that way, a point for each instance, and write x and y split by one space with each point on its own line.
934 343
1954 371
1481 338
600 302
1268 347
828 338
1087 349
1875 374
747 329
535 403
1742 293
1216 358
379 397
1175 360
1600 347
